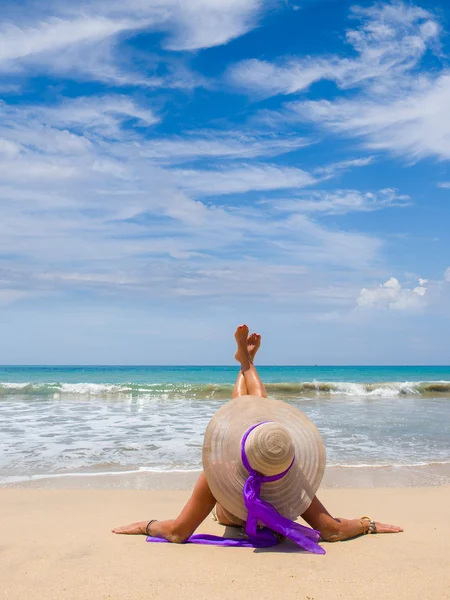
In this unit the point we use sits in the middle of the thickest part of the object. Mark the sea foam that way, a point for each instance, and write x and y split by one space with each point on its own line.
223 391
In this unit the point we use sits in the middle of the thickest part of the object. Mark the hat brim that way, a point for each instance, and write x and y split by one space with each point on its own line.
223 467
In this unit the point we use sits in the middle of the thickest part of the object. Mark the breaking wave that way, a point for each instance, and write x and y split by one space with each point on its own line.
223 391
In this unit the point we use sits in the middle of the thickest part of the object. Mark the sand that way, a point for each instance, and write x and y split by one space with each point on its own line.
56 544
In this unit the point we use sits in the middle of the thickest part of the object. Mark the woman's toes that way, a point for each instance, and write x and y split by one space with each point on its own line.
241 334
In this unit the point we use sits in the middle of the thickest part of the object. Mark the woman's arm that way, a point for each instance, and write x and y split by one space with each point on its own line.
336 530
180 529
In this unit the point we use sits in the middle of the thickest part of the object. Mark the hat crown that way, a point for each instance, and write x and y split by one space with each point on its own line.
269 449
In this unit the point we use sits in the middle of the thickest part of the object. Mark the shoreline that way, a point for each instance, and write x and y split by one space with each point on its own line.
337 477
58 544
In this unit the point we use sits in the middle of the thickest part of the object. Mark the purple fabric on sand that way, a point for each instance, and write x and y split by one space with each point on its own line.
260 511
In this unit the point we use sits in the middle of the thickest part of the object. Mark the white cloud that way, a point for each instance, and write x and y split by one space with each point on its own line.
84 204
302 238
242 179
37 170
70 125
444 185
245 279
415 125
205 23
391 39
52 35
344 165
81 39
214 144
399 107
393 296
432 296
9 149
99 114
191 24
267 79
67 128
79 46
342 201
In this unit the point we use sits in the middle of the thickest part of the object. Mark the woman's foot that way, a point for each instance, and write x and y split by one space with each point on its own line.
242 353
253 344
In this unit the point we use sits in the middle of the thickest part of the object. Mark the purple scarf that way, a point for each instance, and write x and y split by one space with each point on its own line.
259 510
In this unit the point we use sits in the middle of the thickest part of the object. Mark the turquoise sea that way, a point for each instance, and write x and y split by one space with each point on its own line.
97 419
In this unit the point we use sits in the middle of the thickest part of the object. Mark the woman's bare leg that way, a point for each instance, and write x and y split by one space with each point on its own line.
253 344
240 387
255 386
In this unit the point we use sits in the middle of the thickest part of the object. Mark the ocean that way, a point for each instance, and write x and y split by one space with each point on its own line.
97 420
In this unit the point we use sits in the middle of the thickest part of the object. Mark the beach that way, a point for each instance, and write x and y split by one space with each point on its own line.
86 449
207 200
57 544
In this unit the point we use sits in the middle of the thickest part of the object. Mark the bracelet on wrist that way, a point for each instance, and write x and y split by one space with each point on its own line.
372 527
147 529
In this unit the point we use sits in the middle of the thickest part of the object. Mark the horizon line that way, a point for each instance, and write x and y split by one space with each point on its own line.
222 366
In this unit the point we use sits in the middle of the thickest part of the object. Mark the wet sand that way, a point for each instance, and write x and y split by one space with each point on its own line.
335 477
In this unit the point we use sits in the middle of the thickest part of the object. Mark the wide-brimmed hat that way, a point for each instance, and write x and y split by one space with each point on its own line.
285 440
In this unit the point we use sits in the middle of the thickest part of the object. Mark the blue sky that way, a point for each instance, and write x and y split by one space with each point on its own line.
170 169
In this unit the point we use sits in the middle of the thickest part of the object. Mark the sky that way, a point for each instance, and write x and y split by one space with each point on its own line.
172 168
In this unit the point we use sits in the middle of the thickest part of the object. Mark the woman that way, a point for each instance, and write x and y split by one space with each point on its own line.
203 502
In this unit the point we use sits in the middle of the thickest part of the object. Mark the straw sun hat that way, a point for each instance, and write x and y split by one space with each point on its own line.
286 438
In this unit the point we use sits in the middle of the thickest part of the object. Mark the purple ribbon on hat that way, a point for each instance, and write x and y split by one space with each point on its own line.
260 511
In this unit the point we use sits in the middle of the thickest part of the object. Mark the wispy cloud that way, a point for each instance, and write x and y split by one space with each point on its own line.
198 24
342 201
397 106
72 125
124 195
68 127
82 39
64 45
98 114
88 201
52 35
415 126
317 244
390 41
245 178
344 165
219 144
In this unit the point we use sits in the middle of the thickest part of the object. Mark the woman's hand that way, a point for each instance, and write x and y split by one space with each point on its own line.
133 529
335 530
167 530
178 531
383 528
345 529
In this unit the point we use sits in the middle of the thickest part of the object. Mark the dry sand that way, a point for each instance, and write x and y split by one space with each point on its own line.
56 544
